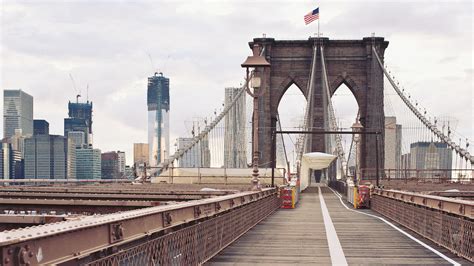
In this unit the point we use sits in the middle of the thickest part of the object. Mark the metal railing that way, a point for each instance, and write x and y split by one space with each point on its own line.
214 175
445 221
421 175
40 181
339 186
196 244
185 233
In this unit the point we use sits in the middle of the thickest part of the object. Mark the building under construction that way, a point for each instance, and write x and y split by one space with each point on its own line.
79 120
158 101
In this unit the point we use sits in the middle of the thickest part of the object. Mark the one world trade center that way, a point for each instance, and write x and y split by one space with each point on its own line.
158 101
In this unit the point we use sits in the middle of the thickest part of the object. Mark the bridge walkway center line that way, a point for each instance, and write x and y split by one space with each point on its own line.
300 236
367 239
287 237
335 249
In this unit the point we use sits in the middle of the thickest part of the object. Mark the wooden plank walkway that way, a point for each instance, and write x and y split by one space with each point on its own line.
298 236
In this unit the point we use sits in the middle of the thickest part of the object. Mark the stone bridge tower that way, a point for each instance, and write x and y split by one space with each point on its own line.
347 61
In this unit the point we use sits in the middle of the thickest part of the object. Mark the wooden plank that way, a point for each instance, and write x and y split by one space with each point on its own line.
367 239
289 236
297 236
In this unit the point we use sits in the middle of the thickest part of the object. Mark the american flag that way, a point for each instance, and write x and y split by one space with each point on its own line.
311 16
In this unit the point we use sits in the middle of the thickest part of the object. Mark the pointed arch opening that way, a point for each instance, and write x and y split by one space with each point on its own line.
291 110
346 109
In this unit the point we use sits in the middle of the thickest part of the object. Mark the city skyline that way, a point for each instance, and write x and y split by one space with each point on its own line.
47 57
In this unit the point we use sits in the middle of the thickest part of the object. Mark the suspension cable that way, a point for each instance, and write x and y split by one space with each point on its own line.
282 141
302 140
178 154
332 117
432 127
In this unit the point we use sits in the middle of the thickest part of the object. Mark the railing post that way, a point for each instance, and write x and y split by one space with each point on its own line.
377 159
199 176
225 175
273 156
406 175
170 175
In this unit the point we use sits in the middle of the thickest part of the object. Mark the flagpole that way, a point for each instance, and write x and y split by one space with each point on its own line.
318 25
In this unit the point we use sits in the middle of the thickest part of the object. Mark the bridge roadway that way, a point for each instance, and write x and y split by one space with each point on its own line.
304 236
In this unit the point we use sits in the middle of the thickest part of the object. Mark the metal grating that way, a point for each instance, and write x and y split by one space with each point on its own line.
195 244
450 231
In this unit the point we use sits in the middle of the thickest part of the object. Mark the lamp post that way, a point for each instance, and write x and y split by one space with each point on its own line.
255 62
357 128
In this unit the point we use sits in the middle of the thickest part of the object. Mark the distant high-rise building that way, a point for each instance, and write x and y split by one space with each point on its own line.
49 157
88 163
70 158
18 142
129 172
11 164
111 165
235 147
80 119
17 112
430 156
121 162
197 156
40 127
393 144
280 152
158 101
140 153
78 138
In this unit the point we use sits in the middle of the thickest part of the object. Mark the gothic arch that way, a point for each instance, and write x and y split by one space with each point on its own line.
346 79
347 61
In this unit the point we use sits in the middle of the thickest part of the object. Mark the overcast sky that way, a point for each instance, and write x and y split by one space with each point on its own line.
200 45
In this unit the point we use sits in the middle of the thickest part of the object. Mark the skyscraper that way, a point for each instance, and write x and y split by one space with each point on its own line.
110 165
17 112
393 145
78 138
121 162
430 156
197 156
140 153
10 161
80 119
18 142
158 100
49 157
88 164
235 148
40 127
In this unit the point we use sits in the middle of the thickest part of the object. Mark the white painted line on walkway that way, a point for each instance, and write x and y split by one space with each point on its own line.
401 231
335 248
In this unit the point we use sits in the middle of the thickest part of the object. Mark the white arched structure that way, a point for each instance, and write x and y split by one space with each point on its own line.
313 161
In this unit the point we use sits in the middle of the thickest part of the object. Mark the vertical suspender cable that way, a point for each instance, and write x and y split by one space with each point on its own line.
331 115
463 153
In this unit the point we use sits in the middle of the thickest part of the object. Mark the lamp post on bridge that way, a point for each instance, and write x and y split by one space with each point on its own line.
255 62
356 128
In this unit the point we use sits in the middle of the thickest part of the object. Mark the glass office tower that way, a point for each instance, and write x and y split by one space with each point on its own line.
17 113
80 120
158 101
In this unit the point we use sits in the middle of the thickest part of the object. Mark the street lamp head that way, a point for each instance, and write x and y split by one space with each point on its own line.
357 127
255 61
